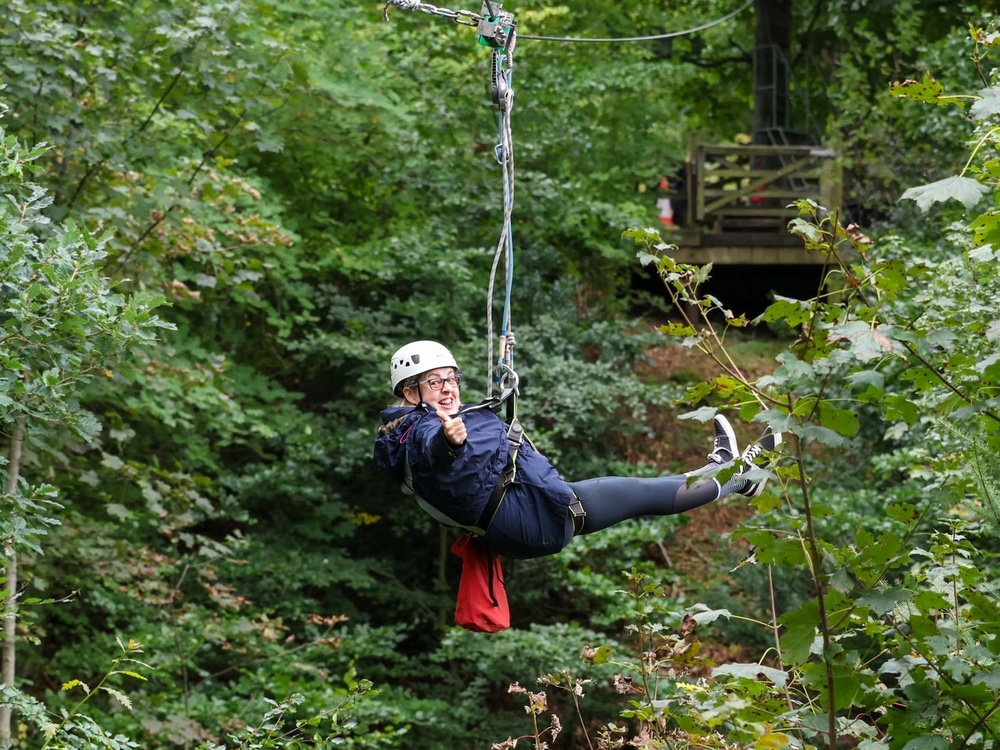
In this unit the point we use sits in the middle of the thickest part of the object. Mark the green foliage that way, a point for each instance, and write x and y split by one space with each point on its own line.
310 187
893 646
62 322
72 727
281 728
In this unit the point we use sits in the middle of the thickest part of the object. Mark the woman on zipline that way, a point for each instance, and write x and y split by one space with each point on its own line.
456 460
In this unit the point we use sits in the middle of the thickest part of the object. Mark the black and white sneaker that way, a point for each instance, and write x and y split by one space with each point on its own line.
768 443
725 448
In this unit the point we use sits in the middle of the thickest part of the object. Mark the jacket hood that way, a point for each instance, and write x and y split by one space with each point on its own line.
389 454
395 412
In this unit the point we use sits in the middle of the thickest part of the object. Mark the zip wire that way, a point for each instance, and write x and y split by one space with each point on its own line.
651 38
475 18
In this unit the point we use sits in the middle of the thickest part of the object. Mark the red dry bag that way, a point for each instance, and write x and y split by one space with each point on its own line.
482 597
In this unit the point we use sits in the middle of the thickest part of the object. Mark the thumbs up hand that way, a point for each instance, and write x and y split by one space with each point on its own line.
454 429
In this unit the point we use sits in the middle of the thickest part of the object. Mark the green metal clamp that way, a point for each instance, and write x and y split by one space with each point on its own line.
496 27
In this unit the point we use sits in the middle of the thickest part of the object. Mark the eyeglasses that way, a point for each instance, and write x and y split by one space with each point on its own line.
436 384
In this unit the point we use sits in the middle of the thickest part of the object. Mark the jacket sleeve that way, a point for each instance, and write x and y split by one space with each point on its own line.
443 453
429 445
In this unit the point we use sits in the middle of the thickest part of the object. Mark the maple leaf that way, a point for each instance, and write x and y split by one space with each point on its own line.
963 189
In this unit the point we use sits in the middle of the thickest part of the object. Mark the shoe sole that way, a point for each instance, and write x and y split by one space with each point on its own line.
757 489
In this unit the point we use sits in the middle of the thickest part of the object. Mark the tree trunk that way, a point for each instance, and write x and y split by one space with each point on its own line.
7 652
442 577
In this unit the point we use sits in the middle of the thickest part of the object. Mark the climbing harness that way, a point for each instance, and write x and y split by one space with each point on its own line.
516 438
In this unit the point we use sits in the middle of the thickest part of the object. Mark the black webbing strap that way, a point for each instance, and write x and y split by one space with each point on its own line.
515 435
578 514
492 562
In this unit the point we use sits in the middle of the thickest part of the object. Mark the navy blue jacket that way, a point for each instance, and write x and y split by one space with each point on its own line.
532 520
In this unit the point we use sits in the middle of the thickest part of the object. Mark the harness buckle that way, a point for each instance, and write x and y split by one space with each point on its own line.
515 434
578 514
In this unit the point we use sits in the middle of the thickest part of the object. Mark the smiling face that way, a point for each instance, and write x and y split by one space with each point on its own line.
438 388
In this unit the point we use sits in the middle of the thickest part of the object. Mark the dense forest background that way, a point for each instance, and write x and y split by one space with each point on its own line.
220 218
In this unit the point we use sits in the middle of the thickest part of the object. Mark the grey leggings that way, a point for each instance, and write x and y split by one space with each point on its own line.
611 500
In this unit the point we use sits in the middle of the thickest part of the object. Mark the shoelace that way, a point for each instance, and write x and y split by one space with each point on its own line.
715 455
751 453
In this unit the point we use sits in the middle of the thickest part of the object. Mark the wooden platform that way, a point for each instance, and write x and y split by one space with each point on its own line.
741 249
737 202
749 254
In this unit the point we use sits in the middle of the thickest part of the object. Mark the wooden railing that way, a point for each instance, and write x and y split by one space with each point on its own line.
750 188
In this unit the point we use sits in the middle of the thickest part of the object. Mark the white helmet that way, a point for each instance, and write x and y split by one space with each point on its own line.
415 358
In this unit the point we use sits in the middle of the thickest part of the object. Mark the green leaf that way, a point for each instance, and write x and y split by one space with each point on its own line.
117 510
891 276
930 602
873 557
849 683
867 342
702 414
790 311
929 90
923 379
988 104
899 406
927 742
907 667
600 655
990 679
957 668
811 433
753 672
792 367
800 636
675 329
841 421
965 190
703 615
869 744
134 675
881 601
866 379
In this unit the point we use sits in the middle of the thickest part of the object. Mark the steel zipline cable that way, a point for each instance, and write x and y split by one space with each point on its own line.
650 38
468 18
498 31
